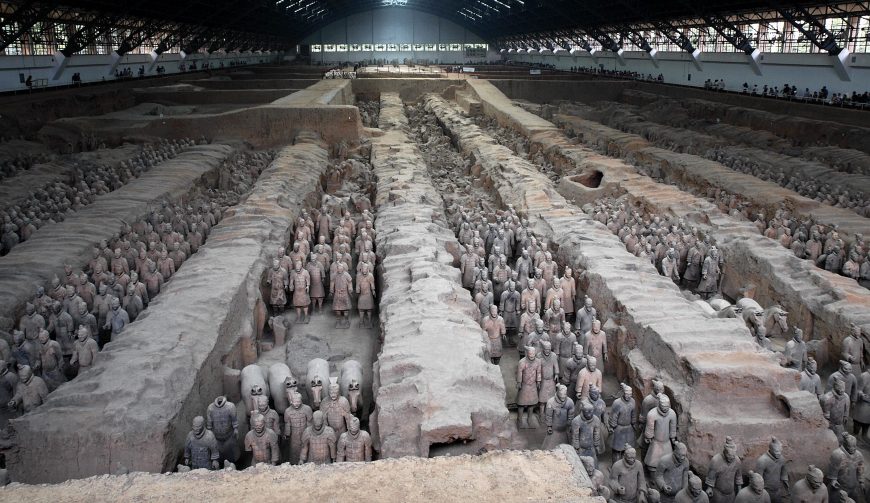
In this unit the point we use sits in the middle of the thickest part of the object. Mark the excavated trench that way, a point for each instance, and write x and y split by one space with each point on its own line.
652 328
755 266
290 346
133 409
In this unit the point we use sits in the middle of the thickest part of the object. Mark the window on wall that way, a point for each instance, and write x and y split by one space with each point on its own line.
442 47
380 47
455 47
405 47
355 48
418 47
368 47
329 48
316 48
341 47
392 47
431 47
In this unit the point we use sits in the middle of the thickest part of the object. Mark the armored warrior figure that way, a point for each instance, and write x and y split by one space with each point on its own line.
494 326
724 476
586 433
622 422
336 409
528 384
201 448
30 392
771 467
297 417
300 284
341 287
222 421
627 480
318 442
810 489
558 415
354 445
660 432
672 473
262 442
549 375
754 492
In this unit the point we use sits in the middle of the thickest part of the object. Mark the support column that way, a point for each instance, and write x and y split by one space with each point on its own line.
842 66
60 62
754 60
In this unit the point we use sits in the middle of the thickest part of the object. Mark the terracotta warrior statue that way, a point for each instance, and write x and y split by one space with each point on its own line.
660 432
269 415
318 442
300 284
595 343
201 448
672 473
622 423
810 380
558 415
86 349
222 421
846 469
589 376
528 384
336 409
627 480
509 306
711 272
354 445
51 359
494 327
277 281
297 417
586 433
754 492
549 375
836 407
810 489
771 467
585 316
262 442
724 476
795 355
30 392
341 288
693 492
365 289
317 274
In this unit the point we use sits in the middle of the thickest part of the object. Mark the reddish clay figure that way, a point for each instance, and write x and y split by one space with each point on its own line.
297 417
341 288
318 442
354 445
300 284
365 289
528 384
494 326
316 275
277 281
262 442
336 409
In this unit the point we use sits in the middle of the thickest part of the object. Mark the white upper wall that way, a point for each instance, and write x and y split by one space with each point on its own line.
394 25
803 70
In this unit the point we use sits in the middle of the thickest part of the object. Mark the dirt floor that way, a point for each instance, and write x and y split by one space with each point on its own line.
503 476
